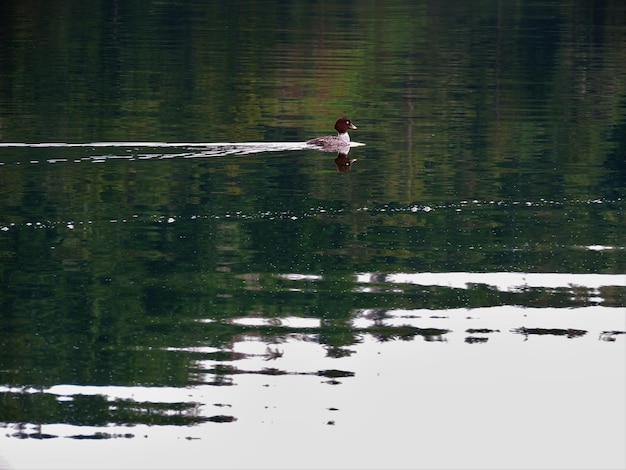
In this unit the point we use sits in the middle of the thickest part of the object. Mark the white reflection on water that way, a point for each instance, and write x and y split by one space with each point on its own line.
503 281
301 277
286 322
549 403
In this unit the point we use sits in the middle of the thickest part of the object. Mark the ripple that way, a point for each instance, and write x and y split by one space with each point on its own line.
161 150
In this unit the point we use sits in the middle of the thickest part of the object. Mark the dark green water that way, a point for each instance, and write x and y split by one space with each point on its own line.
231 289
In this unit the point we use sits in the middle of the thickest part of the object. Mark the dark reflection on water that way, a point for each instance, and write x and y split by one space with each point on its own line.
120 290
186 263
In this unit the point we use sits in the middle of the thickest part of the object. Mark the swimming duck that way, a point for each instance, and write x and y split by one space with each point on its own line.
337 143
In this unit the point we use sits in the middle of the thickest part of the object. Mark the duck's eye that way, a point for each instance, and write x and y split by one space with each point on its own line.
348 121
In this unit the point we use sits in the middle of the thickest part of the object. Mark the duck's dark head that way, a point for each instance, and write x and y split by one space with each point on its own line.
343 124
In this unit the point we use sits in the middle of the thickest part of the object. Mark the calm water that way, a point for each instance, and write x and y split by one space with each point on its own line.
185 284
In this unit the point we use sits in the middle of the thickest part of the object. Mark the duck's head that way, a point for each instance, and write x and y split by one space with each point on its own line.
343 124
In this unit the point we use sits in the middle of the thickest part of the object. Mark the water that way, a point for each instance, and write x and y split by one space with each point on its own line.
186 284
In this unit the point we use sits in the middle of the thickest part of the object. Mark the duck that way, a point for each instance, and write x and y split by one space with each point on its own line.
331 143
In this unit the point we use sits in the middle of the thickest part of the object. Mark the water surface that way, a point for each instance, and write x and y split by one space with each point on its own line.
186 284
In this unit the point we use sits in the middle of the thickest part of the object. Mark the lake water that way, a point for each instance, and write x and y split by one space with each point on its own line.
186 284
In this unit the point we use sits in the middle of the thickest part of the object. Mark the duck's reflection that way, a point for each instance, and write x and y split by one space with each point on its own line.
344 164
